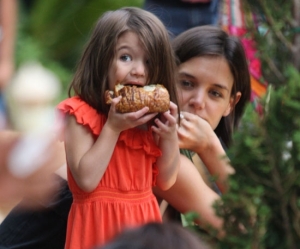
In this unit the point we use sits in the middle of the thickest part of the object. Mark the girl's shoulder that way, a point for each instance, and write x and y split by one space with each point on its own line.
73 104
83 112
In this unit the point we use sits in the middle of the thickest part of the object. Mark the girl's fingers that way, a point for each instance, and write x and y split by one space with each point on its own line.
145 118
114 102
173 109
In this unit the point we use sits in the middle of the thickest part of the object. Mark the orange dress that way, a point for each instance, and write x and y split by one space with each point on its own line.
123 197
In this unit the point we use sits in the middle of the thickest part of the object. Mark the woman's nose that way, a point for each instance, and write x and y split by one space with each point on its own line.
198 99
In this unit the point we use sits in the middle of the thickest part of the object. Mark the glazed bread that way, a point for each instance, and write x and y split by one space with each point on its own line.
134 98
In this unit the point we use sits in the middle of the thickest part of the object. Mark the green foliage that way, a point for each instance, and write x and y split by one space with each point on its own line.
63 27
54 32
262 208
274 31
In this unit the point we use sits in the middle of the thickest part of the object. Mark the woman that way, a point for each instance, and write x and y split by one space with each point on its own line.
214 87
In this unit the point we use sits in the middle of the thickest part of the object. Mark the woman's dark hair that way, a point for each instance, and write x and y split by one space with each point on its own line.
157 236
91 78
213 41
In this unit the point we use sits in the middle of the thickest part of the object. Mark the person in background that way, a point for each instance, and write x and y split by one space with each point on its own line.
40 195
8 26
181 15
157 235
213 89
38 185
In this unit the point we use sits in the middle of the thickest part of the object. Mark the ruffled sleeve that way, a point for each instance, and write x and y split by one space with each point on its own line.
84 113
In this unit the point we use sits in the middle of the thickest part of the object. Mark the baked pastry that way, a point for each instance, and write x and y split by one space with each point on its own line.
134 98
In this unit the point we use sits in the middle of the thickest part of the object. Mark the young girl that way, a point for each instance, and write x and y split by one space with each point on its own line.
213 89
115 159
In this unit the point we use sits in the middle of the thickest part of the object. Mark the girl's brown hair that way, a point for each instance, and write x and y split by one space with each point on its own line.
213 41
91 77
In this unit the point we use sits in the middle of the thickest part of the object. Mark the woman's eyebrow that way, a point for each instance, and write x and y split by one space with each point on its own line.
221 86
218 85
186 75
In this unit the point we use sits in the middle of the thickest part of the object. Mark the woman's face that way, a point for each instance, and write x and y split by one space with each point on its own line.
205 87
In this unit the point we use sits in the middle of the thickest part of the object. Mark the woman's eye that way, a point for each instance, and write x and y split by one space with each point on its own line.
186 83
125 57
216 94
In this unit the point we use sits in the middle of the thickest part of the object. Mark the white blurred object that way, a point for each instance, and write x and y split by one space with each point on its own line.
31 103
31 98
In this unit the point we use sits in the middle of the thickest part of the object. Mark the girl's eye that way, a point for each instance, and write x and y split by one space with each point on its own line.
125 57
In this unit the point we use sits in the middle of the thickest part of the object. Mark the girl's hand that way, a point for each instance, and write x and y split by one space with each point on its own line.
123 121
165 135
194 133
166 125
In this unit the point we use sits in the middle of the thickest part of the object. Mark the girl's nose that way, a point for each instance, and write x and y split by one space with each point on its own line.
138 69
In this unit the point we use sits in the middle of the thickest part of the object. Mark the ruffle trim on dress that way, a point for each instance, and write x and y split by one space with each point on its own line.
138 139
84 113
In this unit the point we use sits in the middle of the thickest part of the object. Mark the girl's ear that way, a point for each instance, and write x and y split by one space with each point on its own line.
232 103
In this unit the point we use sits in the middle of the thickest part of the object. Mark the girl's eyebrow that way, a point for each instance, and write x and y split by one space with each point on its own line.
218 85
122 47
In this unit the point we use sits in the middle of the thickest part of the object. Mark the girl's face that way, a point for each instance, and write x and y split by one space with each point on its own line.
205 88
130 63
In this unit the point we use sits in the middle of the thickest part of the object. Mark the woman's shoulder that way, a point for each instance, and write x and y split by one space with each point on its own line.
83 112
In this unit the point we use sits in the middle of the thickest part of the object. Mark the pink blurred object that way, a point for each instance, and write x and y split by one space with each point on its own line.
233 21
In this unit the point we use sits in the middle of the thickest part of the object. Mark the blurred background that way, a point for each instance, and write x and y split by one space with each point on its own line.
54 32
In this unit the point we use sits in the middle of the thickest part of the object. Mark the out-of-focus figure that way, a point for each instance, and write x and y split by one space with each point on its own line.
31 152
31 103
8 22
38 185
180 15
157 235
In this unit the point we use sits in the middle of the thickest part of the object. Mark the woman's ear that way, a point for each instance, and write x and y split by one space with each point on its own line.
232 103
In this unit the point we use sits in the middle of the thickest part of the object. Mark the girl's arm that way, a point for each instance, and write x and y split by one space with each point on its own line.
87 156
191 194
196 134
168 164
